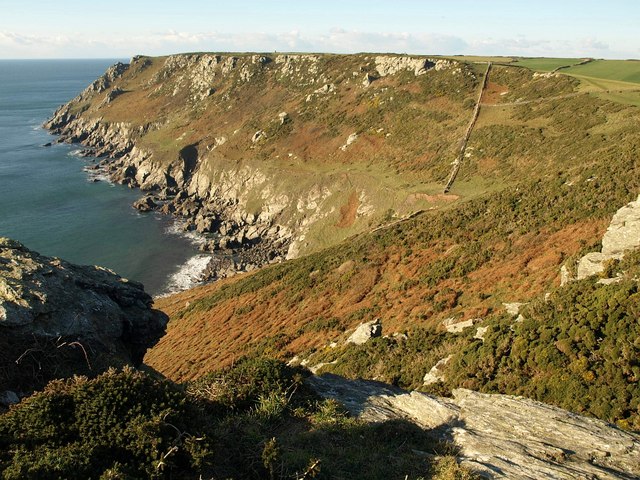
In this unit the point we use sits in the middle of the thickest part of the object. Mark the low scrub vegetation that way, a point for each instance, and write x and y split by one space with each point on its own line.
253 420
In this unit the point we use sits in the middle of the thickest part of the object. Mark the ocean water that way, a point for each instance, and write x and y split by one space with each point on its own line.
49 203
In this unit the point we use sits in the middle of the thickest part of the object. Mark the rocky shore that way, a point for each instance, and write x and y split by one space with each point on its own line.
241 240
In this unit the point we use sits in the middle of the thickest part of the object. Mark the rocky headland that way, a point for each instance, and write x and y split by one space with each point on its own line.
58 319
231 144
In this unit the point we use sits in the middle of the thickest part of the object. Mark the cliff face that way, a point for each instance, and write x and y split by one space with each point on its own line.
275 156
58 319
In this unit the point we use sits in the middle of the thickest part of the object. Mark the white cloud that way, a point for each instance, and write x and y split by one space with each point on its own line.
13 45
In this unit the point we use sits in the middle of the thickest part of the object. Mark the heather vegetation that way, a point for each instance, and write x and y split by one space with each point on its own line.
254 420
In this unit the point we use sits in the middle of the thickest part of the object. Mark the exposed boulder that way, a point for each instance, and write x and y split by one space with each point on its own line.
453 326
145 204
8 398
112 95
390 65
366 331
350 139
368 79
480 333
499 436
513 308
622 235
59 319
259 135
283 117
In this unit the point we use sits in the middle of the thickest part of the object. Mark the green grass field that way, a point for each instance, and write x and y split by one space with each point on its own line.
546 64
614 80
619 70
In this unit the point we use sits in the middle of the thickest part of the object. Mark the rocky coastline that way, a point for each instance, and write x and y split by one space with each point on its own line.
198 134
238 241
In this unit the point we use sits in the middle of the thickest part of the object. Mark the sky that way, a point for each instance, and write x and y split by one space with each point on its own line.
123 28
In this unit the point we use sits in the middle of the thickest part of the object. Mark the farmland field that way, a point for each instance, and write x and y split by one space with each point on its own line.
546 64
621 70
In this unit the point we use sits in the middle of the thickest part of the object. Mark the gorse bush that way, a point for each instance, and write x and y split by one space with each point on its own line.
123 422
245 385
578 350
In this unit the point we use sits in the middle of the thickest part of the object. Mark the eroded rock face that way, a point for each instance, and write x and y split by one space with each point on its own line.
213 189
50 307
499 436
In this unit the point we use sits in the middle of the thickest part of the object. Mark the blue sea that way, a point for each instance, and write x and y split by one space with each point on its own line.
48 202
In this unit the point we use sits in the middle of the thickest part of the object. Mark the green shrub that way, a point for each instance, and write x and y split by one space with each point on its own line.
252 382
118 422
578 350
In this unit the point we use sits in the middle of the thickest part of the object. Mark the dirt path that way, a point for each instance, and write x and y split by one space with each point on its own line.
536 100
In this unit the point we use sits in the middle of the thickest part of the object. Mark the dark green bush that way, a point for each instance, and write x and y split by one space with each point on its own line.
242 385
120 421
578 350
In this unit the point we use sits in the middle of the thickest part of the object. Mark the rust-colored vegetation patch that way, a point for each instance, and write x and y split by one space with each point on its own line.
494 93
393 284
348 212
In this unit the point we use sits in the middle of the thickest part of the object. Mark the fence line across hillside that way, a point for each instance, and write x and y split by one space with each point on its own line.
476 111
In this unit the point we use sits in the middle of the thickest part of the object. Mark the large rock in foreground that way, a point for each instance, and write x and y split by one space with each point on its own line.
59 319
499 436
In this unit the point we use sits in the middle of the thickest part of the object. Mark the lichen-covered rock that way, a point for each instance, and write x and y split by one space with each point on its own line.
49 307
390 65
436 375
499 436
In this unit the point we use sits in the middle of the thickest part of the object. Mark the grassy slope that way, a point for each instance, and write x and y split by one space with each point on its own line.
611 80
408 130
620 70
546 64
565 166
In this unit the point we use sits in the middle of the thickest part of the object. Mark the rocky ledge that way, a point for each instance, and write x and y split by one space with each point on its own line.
498 436
59 319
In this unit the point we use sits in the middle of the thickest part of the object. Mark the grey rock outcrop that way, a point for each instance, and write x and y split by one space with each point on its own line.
453 326
622 235
49 307
499 436
436 375
365 332
112 95
513 308
8 398
390 65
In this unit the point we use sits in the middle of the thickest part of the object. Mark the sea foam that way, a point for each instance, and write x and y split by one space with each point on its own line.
189 275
